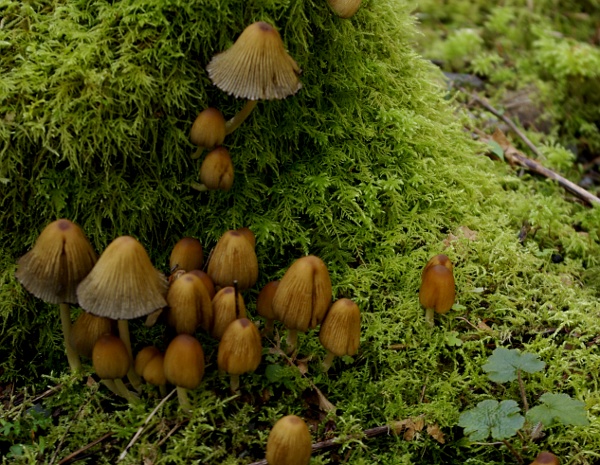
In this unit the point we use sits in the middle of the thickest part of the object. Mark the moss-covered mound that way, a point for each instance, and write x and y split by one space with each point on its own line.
367 166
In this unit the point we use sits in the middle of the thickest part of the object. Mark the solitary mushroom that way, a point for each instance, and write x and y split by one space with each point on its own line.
340 330
60 258
437 291
289 442
216 171
208 130
233 259
344 8
256 67
240 350
184 366
302 297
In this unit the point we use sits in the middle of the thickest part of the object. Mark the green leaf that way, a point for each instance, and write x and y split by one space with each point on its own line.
558 408
503 364
496 149
452 339
274 373
501 420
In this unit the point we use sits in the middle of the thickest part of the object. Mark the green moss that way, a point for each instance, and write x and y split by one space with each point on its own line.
367 167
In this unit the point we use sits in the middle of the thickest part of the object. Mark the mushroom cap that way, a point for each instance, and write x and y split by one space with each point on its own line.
304 294
123 284
186 255
546 458
143 357
264 301
289 442
208 129
233 258
344 8
154 371
248 234
189 305
184 362
437 288
216 171
256 66
224 310
208 283
240 348
59 260
110 357
86 330
440 259
340 330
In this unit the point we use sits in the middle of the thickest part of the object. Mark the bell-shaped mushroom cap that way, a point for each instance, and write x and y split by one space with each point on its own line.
123 284
233 258
143 357
208 129
186 255
264 301
216 171
437 290
340 330
248 234
225 310
546 458
184 362
61 257
440 259
154 371
189 305
256 66
304 294
208 283
110 357
240 348
289 442
344 8
86 330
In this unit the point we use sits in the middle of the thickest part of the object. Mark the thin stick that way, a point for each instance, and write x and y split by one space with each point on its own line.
70 457
171 432
329 443
484 103
522 389
141 428
513 451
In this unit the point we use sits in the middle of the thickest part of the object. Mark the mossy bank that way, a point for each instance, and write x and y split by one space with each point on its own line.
367 166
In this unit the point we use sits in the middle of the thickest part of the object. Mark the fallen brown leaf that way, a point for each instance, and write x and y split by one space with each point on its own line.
436 433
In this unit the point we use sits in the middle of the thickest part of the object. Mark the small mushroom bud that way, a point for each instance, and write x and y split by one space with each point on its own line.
289 442
111 361
226 310
154 373
208 130
186 255
240 350
437 291
143 357
184 366
216 171
344 8
340 331
264 306
546 458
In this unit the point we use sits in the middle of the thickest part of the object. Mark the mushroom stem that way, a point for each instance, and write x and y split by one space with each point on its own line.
240 116
429 317
328 360
235 383
269 326
197 153
184 401
110 384
163 390
132 376
65 320
124 392
292 340
198 186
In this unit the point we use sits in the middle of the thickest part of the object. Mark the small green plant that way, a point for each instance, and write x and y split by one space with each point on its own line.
503 420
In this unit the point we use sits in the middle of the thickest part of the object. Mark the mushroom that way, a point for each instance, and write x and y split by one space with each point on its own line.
208 283
149 364
264 306
546 458
240 350
340 330
233 258
344 8
437 291
289 442
186 255
184 366
61 257
86 330
256 67
226 309
216 171
111 362
302 297
123 285
208 130
189 305
248 234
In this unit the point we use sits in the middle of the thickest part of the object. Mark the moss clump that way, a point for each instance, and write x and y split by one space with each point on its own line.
366 167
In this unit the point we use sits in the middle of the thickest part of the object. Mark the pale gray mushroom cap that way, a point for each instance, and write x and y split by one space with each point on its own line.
256 66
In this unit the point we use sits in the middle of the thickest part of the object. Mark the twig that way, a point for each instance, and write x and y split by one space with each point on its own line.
329 443
141 428
504 118
522 389
70 457
171 431
513 451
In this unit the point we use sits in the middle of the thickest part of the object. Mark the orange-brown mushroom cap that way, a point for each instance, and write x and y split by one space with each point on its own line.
289 442
340 330
240 348
216 171
546 458
233 258
208 129
184 362
256 66
437 290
